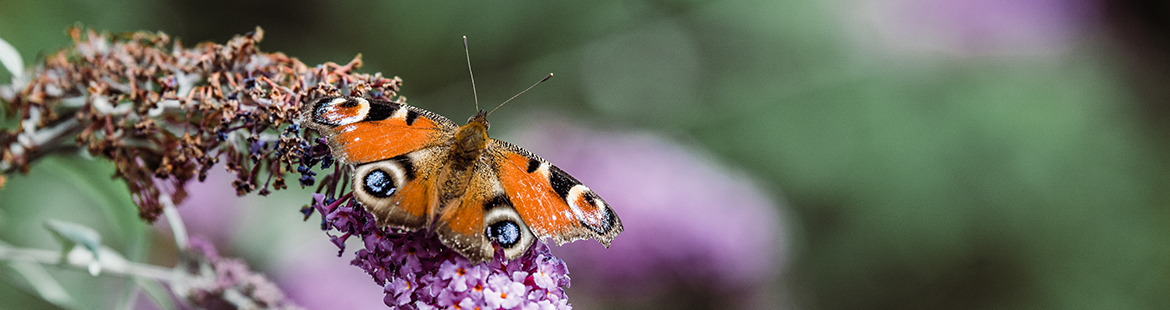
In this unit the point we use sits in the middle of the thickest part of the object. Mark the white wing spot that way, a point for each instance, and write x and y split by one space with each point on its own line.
574 195
543 170
364 109
400 113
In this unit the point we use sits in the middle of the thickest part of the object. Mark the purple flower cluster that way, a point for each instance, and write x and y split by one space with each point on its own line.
418 272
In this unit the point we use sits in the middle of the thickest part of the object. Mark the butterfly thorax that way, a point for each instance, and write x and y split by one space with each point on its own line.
467 145
469 141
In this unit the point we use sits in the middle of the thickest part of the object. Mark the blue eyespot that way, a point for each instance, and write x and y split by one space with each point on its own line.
379 184
505 233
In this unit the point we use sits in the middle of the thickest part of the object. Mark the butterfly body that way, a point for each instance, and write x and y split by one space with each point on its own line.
414 169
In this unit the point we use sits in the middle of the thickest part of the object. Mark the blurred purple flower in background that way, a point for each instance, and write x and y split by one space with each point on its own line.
695 232
319 279
971 27
212 211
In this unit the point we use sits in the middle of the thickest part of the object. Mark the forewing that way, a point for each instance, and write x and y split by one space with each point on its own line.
552 203
361 130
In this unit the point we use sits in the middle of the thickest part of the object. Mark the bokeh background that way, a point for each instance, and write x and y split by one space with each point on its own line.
799 154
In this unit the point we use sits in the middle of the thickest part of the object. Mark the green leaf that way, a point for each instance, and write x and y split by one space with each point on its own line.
42 284
10 58
71 235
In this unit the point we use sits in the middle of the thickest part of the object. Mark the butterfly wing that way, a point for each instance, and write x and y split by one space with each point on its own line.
396 150
400 191
552 203
482 214
361 130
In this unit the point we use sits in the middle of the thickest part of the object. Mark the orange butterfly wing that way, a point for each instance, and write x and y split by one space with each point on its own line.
552 203
400 191
362 130
395 148
481 215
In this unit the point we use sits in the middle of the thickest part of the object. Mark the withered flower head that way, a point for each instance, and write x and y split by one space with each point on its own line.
165 114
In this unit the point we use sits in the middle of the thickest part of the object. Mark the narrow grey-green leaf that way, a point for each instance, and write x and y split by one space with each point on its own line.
43 284
72 234
10 58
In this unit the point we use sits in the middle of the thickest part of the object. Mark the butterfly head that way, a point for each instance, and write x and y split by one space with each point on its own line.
480 118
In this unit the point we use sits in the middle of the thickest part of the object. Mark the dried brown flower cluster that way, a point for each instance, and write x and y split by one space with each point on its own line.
165 114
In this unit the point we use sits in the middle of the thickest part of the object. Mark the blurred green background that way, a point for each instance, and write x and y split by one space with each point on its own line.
935 154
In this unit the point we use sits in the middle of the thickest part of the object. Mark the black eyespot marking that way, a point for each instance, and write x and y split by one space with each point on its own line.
319 108
406 165
606 223
591 198
379 184
498 201
533 164
380 111
505 233
322 106
411 116
561 182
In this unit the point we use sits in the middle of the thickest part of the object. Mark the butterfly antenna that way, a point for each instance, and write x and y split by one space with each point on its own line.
549 76
473 92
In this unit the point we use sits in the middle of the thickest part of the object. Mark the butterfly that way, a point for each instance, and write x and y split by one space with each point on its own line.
414 169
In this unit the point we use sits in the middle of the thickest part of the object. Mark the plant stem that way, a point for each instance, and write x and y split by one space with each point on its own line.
111 262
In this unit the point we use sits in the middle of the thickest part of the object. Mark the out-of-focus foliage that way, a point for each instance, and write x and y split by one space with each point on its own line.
936 154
